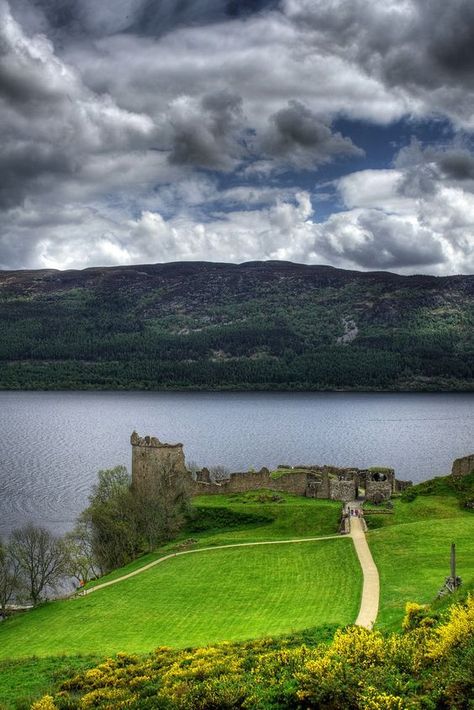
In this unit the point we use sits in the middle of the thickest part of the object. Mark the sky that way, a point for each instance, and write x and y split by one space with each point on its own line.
332 132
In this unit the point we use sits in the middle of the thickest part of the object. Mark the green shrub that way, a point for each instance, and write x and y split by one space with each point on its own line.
207 518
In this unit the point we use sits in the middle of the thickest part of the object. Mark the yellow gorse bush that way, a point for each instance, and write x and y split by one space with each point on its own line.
413 615
457 631
46 703
358 669
375 700
108 698
357 645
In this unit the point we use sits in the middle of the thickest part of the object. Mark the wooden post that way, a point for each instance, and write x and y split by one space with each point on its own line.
452 582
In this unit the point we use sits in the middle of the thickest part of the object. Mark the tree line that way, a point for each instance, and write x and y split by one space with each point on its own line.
118 525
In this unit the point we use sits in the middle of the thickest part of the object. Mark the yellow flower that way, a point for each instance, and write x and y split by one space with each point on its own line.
46 703
458 630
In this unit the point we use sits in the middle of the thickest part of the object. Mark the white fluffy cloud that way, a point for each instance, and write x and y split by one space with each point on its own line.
380 231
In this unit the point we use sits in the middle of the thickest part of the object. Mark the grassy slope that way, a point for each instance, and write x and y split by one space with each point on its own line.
412 548
293 517
195 585
23 681
197 599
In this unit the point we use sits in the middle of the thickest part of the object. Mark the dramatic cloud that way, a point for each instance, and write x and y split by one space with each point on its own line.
136 130
205 134
145 17
298 137
51 122
423 47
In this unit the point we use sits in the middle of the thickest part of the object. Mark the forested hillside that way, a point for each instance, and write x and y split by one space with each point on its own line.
259 325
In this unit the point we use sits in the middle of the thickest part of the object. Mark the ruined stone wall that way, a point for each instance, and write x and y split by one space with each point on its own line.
401 486
463 465
342 490
151 459
378 490
154 461
242 482
324 482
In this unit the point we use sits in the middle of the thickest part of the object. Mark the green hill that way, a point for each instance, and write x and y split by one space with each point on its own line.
260 325
212 594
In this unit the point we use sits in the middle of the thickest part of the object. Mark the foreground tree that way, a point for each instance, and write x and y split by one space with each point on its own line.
111 519
41 559
9 578
83 564
161 506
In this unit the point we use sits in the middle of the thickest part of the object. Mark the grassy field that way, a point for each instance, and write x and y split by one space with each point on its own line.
247 517
201 598
25 680
288 517
412 549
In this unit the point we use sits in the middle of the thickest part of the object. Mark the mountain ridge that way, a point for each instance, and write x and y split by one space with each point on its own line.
255 325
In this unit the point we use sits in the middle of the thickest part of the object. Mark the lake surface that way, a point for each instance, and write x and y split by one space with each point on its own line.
53 443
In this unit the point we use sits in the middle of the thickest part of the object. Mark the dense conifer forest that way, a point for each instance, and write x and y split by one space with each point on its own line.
259 325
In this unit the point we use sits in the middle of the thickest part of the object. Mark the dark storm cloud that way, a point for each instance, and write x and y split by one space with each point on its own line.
424 44
424 169
457 164
52 124
151 18
374 240
156 18
203 133
302 139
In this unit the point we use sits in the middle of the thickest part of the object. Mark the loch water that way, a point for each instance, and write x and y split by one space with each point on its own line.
53 443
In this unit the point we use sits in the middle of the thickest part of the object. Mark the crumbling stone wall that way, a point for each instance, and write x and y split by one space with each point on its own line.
341 489
153 460
377 491
379 485
244 481
324 482
463 466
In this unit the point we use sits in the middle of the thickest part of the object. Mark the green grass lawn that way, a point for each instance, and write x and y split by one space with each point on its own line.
197 599
412 549
292 517
24 681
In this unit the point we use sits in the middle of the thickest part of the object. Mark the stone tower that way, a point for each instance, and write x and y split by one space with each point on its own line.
463 466
153 460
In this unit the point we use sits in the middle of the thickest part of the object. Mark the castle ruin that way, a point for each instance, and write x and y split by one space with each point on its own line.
463 466
151 459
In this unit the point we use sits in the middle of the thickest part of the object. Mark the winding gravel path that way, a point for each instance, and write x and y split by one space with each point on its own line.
369 604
